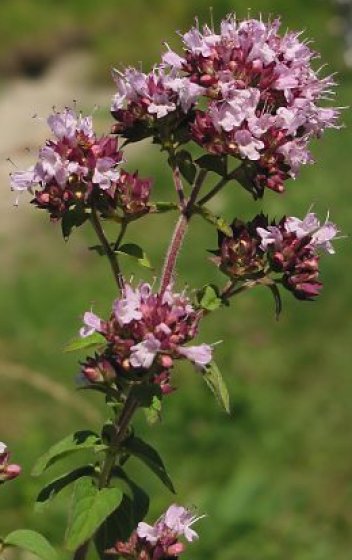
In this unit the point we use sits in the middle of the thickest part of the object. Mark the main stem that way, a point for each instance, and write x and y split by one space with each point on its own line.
180 232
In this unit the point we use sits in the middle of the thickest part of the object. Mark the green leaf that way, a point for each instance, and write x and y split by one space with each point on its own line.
52 489
151 458
32 542
118 526
73 218
95 339
78 441
214 163
277 298
219 222
145 393
90 508
213 378
135 251
161 207
140 498
184 162
153 412
208 297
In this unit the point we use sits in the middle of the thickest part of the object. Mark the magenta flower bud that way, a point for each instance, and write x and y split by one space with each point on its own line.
176 549
7 471
12 471
166 361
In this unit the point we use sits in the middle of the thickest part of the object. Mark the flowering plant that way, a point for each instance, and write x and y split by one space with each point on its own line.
247 101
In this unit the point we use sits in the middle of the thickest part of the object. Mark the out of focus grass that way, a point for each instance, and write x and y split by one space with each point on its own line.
275 477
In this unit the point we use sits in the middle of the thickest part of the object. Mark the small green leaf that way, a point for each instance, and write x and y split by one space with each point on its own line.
90 508
153 412
184 162
99 249
277 298
32 542
219 222
83 343
135 251
118 526
162 207
208 297
73 218
79 441
214 163
52 489
150 457
213 378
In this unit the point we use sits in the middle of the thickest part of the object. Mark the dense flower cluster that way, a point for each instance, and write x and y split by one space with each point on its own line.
161 540
77 165
260 92
146 332
7 471
291 248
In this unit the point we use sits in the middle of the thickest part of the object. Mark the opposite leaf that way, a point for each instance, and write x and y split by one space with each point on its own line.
32 542
95 339
150 457
136 252
90 508
208 298
51 490
213 378
78 441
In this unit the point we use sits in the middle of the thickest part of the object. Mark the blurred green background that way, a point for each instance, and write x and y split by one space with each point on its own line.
274 478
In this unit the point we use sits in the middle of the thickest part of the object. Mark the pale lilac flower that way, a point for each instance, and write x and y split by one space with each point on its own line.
92 323
201 355
143 354
310 225
296 154
248 145
64 124
105 172
127 308
177 520
270 236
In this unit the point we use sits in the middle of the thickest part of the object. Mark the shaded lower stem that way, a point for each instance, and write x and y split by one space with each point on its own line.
107 248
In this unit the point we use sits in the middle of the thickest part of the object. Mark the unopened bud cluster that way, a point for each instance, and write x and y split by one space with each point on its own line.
8 471
287 251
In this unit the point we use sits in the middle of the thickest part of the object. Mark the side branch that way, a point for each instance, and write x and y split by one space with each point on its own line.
107 248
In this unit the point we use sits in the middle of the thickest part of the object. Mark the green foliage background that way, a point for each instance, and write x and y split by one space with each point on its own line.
275 477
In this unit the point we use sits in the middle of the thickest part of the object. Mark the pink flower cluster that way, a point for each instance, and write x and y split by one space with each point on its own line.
77 165
260 92
160 541
146 332
293 247
7 471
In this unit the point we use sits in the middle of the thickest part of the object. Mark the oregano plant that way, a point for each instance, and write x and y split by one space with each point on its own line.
238 106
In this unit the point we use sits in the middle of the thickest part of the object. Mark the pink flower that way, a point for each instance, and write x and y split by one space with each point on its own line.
92 323
7 471
177 520
201 355
143 354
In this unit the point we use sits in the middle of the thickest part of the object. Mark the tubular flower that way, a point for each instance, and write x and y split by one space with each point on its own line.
146 332
7 471
291 247
160 541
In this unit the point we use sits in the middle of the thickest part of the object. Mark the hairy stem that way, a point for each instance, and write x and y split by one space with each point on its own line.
180 232
94 218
